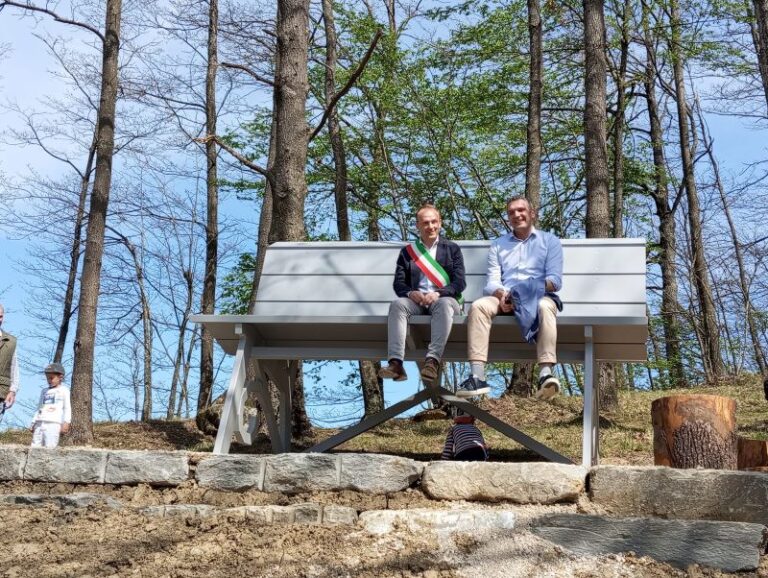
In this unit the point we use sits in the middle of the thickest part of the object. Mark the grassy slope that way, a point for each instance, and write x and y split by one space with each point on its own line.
626 438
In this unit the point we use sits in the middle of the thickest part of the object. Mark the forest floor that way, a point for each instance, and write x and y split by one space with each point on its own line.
98 541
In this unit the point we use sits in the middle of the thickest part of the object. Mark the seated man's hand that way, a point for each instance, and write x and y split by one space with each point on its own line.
417 297
501 295
65 428
430 298
9 399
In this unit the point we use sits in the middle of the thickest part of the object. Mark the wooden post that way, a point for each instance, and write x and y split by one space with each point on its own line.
695 431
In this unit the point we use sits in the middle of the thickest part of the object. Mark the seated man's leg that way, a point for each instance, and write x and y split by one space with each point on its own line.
400 311
442 312
546 348
481 316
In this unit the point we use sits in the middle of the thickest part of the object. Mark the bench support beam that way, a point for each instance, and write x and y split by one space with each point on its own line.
449 397
591 431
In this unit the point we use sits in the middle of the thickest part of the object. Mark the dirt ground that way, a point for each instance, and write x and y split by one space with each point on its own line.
97 541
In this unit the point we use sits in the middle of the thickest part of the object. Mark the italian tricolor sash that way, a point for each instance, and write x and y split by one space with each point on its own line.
429 266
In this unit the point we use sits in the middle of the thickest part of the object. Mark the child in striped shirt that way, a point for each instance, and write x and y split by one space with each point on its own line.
464 441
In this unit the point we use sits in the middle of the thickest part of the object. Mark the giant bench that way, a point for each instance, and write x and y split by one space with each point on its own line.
329 301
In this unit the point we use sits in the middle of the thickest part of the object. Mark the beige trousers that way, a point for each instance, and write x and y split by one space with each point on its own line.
481 316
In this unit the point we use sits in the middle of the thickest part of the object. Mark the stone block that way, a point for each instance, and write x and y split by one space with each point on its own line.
378 474
258 514
12 462
153 468
339 515
294 473
281 514
76 500
522 483
308 513
231 472
685 494
65 465
189 511
728 546
438 521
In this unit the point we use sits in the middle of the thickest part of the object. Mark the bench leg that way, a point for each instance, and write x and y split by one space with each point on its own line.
232 412
591 433
282 374
261 388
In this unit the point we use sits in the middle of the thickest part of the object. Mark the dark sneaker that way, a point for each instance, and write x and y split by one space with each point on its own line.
394 370
471 387
430 370
549 386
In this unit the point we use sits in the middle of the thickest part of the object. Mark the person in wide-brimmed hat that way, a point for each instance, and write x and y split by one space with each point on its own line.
54 412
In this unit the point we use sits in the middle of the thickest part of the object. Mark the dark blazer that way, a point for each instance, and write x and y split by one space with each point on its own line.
408 275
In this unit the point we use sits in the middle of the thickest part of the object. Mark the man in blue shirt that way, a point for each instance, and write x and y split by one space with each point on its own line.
525 270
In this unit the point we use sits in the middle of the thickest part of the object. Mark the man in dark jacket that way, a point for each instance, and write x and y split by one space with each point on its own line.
429 279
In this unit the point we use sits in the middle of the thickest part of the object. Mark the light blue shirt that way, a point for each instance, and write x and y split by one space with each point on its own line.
511 260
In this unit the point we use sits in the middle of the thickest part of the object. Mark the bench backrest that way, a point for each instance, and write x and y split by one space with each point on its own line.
602 278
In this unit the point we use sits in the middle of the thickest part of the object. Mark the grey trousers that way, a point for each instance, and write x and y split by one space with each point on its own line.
400 311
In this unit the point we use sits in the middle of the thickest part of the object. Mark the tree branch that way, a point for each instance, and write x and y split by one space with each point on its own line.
250 72
56 17
250 164
350 83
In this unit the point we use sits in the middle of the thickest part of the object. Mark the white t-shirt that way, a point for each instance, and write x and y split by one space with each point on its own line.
54 406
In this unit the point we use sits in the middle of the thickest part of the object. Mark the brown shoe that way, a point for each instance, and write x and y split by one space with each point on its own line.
430 370
394 370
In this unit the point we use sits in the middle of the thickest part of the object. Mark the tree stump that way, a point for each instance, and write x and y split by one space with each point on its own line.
695 431
753 454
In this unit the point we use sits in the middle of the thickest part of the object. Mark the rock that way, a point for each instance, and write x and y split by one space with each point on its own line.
307 513
336 515
378 474
76 500
729 546
154 468
294 473
228 472
439 521
12 462
687 494
522 483
280 514
66 465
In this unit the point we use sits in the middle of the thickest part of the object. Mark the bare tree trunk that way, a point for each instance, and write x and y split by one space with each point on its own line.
533 133
618 125
146 319
291 142
74 254
670 306
596 169
179 358
85 335
713 363
598 218
334 131
208 304
749 310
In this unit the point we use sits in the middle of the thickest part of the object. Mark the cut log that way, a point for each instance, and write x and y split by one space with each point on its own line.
753 454
695 431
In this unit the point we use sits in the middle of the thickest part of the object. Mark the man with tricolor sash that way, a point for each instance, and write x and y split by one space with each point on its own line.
429 279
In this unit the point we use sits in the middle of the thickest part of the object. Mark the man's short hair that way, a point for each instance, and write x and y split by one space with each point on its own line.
519 198
428 206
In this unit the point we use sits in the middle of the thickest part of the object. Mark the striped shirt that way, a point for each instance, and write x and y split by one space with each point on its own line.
462 436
